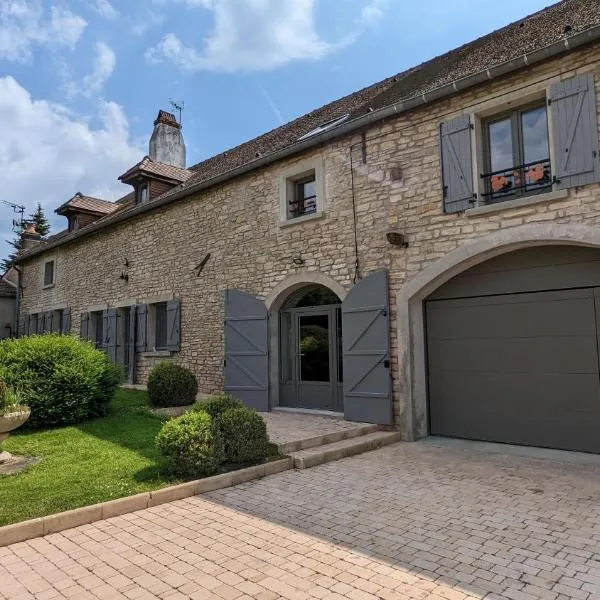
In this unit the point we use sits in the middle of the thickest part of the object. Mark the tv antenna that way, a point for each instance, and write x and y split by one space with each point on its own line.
18 224
177 105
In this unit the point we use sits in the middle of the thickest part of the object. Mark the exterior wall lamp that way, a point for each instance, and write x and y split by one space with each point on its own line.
298 260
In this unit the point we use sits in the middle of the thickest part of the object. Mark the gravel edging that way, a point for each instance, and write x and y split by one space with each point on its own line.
26 530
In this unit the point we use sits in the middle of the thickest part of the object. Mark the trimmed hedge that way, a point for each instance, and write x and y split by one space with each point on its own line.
192 445
63 379
215 406
244 435
171 385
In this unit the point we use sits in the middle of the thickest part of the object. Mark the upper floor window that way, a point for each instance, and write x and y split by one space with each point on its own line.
304 199
142 194
517 150
302 190
49 273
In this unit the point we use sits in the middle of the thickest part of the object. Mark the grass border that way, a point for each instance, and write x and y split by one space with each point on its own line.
42 526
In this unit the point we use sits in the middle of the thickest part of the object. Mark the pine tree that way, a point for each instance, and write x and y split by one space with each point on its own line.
38 218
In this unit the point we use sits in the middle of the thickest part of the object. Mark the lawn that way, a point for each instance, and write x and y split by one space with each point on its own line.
101 460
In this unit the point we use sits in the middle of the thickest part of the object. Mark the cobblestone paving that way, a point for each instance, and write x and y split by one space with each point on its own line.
445 521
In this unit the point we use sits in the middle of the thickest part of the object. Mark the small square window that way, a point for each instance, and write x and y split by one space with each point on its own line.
142 195
49 273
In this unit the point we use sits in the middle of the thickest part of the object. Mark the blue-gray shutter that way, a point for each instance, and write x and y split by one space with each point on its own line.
457 164
84 333
575 131
246 349
173 325
40 323
141 328
131 345
49 322
66 321
56 324
27 325
366 350
109 317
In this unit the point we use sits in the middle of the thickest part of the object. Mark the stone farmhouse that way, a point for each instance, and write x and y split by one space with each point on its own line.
423 253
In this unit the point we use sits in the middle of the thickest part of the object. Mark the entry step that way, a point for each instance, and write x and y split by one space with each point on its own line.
304 459
361 429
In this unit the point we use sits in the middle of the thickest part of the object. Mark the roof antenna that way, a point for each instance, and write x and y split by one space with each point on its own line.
177 105
18 224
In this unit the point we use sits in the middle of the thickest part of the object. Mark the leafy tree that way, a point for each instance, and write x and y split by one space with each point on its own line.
38 218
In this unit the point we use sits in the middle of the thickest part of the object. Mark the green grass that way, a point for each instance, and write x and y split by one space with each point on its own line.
101 460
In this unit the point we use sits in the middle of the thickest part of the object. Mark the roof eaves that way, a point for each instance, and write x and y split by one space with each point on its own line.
556 48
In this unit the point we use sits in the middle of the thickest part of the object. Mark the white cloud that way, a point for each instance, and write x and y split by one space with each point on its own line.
24 24
106 10
250 35
104 65
373 12
141 23
47 153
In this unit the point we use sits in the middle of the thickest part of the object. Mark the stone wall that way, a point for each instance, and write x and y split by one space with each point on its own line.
238 224
7 316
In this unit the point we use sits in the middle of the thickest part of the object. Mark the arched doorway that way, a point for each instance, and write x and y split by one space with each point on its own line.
310 350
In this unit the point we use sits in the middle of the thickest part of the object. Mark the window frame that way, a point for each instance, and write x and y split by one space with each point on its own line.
290 178
45 285
143 187
160 309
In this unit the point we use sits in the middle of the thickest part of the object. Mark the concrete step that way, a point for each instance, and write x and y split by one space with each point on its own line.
361 429
304 459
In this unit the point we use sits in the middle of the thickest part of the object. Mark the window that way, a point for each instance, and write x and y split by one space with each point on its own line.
96 325
49 273
517 154
304 199
142 194
160 326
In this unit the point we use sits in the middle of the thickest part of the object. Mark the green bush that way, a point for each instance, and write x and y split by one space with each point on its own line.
244 435
192 445
61 378
215 406
171 385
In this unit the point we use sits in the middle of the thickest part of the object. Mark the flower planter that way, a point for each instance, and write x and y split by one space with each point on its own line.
10 422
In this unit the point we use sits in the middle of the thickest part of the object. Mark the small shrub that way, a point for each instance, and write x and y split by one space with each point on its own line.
11 400
61 378
192 445
171 385
244 435
215 406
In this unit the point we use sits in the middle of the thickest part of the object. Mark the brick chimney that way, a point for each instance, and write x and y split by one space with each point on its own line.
30 237
166 144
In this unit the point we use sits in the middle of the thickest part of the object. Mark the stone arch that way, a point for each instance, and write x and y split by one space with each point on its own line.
274 302
412 379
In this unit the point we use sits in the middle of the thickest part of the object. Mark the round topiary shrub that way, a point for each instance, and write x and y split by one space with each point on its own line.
61 378
171 385
215 406
244 435
192 445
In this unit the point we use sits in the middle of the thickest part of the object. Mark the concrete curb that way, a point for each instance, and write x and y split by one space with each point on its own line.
26 530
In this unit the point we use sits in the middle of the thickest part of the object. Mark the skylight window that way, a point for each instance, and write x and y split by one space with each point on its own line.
325 127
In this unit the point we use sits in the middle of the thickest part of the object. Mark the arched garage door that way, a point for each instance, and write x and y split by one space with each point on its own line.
513 350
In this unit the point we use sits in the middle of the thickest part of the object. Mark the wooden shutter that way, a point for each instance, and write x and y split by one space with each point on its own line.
109 317
66 321
85 326
247 349
366 349
575 131
173 325
27 325
40 323
457 164
141 328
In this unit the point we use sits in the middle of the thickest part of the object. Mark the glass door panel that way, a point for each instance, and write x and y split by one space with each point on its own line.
314 348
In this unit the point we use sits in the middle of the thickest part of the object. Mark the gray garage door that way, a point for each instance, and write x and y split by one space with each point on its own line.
511 362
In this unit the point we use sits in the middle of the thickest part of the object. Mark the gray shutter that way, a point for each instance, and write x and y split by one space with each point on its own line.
27 325
40 323
56 323
131 346
173 324
575 131
246 349
366 349
141 328
66 321
457 164
85 326
110 333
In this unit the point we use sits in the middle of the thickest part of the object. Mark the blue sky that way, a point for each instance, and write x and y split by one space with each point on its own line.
81 81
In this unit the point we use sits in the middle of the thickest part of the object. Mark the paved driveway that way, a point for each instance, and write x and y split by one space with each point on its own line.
443 520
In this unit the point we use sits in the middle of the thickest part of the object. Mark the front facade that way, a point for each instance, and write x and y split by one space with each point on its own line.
435 267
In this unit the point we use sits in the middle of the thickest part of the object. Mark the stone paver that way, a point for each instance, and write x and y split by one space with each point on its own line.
443 521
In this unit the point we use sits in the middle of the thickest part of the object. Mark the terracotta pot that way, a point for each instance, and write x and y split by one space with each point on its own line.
11 421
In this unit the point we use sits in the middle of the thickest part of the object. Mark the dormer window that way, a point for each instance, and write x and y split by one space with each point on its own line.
142 194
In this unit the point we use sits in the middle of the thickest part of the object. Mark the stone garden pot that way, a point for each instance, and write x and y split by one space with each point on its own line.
10 422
